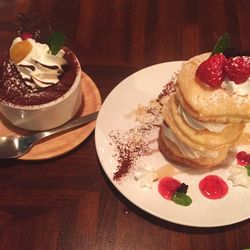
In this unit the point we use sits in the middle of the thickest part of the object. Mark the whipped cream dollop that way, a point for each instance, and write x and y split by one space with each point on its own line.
145 177
185 149
213 127
39 68
241 89
239 176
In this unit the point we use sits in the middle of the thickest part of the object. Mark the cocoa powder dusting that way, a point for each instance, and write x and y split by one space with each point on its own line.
136 142
14 90
129 146
169 88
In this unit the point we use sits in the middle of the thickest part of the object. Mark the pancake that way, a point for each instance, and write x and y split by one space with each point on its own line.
245 136
181 143
172 153
201 123
208 104
199 139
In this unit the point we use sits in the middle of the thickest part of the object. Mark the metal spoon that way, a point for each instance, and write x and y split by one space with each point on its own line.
15 146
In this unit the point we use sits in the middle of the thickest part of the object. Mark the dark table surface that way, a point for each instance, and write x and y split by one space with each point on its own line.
68 202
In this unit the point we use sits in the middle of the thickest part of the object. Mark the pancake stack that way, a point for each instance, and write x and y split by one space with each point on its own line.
201 122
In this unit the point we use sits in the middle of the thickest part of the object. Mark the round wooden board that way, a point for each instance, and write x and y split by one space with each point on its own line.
60 144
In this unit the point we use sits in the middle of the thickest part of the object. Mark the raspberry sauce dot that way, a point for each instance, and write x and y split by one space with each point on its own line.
213 187
167 187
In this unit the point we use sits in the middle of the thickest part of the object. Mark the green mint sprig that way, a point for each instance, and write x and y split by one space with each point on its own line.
56 42
248 169
180 197
223 43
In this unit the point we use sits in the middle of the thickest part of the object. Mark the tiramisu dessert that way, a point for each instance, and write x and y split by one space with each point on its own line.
33 75
208 112
40 85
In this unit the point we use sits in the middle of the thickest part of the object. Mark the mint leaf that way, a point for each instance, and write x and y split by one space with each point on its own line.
181 199
223 43
56 42
248 169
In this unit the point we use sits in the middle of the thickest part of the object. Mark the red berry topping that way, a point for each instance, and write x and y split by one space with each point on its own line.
243 158
211 71
247 158
238 68
26 35
241 155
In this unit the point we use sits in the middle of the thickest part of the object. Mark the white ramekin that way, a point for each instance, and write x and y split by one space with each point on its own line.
49 115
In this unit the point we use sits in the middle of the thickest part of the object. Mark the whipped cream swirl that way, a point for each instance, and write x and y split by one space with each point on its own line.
212 127
241 89
185 149
39 68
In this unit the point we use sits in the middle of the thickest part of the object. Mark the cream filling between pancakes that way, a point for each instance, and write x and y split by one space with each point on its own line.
212 127
185 149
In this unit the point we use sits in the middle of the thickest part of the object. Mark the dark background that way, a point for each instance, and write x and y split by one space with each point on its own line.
67 202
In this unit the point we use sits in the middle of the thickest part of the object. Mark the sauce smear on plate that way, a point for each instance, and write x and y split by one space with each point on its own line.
213 187
167 187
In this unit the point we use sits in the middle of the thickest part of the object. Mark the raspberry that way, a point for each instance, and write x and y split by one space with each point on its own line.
26 35
247 158
211 71
243 158
241 155
238 68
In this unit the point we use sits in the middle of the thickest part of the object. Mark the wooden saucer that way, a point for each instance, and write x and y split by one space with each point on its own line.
62 143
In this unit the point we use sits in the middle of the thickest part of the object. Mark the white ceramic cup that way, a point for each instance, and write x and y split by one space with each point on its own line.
49 115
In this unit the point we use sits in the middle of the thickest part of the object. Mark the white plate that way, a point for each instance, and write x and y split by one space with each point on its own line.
141 87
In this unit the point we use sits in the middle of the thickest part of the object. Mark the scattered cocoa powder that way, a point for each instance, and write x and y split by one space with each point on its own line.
169 88
136 142
14 91
129 146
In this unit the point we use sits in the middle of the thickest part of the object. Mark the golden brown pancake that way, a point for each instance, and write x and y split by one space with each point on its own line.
209 104
172 153
197 103
191 147
199 139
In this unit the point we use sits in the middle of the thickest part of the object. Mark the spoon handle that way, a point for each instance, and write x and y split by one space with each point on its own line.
77 122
